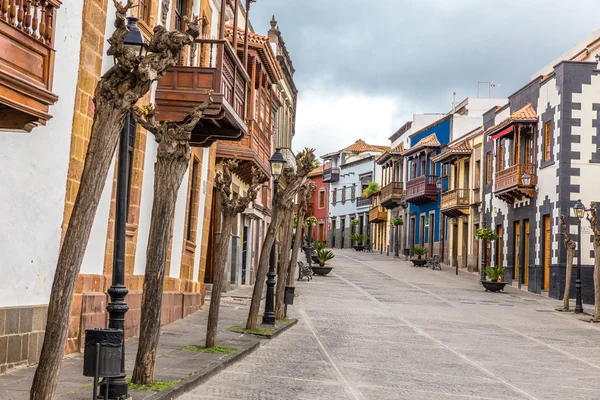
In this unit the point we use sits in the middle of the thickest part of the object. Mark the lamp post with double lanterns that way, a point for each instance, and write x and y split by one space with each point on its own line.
117 308
277 163
579 210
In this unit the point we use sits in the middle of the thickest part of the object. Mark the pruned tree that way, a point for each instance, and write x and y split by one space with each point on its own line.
172 162
230 208
116 93
570 246
287 230
592 217
305 195
292 181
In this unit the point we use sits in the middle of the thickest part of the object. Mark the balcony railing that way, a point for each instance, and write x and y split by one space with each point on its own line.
456 202
331 174
508 183
363 202
391 194
184 87
27 31
378 214
422 189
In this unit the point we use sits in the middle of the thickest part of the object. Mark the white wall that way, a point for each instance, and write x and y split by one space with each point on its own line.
33 176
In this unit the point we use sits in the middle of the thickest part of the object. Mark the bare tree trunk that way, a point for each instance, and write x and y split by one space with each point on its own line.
219 271
115 94
296 249
593 219
570 246
169 171
284 262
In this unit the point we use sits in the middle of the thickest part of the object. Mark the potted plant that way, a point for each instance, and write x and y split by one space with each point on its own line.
355 222
317 246
323 255
419 252
397 221
372 187
360 239
494 284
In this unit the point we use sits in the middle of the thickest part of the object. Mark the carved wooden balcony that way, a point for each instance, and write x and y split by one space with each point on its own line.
331 174
421 190
508 183
456 202
378 214
253 150
183 88
391 195
363 202
27 30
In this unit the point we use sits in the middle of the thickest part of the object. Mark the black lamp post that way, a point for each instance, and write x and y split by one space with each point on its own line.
277 163
579 210
117 308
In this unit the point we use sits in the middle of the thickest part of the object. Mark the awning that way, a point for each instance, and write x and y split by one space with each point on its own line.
503 132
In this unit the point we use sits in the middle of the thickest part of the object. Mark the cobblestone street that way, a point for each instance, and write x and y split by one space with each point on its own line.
379 328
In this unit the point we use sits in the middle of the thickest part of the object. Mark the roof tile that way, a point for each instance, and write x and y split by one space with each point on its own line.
360 145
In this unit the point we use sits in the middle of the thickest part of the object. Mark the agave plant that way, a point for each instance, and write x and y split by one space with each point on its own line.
324 255
494 273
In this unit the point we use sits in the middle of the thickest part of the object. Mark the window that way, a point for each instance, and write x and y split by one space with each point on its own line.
265 196
344 195
179 10
189 235
488 168
500 156
144 10
548 141
467 167
334 196
353 193
322 198
477 176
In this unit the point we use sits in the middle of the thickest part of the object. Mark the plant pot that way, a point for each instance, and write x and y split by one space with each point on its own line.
418 262
317 269
493 286
359 248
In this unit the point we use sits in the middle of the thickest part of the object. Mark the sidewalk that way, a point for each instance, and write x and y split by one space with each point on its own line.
188 368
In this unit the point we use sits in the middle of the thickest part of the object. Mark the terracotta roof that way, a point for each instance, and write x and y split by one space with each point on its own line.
428 141
461 148
360 145
394 151
398 149
316 172
525 114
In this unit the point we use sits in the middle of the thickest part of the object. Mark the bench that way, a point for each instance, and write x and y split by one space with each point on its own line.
434 262
304 270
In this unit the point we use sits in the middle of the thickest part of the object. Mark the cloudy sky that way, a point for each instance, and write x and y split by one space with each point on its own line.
363 67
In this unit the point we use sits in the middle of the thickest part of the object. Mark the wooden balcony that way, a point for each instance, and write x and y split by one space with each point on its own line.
421 190
253 150
26 62
185 87
456 202
391 195
363 202
378 214
508 183
331 174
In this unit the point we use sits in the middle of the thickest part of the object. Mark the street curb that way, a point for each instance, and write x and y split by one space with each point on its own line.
276 330
204 374
279 331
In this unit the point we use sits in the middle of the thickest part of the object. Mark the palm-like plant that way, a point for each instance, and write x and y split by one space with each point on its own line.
419 251
495 273
324 255
319 246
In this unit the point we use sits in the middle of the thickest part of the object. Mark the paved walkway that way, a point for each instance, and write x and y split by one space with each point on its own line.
379 328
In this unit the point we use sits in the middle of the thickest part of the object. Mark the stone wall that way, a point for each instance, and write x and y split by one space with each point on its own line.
21 335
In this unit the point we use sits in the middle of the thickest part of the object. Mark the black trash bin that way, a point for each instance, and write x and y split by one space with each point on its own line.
406 252
103 350
289 295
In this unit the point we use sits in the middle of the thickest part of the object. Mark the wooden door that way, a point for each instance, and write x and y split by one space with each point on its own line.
476 247
212 238
321 233
431 233
525 278
422 232
499 246
465 242
517 249
546 252
454 245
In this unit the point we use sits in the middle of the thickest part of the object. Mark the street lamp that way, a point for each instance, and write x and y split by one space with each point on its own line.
579 210
117 308
277 164
526 179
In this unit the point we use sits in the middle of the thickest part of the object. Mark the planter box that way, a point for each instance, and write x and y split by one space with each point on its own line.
419 262
493 286
321 270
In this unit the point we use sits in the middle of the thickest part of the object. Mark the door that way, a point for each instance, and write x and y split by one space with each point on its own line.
431 233
499 246
413 232
333 234
244 253
465 242
343 228
546 252
212 238
517 249
422 232
321 233
525 278
454 245
476 247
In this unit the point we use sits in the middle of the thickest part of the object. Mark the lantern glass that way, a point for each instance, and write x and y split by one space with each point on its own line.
438 184
277 164
526 179
579 209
